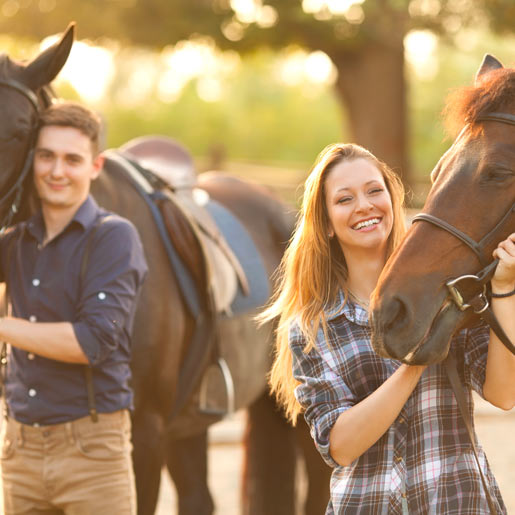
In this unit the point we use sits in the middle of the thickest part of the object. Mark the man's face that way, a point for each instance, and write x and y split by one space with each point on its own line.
64 167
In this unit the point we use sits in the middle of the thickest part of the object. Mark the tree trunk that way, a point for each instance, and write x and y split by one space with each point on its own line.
372 89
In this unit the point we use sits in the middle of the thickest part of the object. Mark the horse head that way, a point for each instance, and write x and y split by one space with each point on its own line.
23 95
470 201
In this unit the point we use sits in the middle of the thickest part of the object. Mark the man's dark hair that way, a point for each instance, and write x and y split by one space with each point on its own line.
72 114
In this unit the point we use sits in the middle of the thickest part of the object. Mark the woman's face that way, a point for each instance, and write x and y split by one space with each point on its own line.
359 206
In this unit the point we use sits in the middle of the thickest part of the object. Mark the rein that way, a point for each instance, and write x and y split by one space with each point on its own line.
461 287
14 193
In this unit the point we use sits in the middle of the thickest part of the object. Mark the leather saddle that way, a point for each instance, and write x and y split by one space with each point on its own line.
173 165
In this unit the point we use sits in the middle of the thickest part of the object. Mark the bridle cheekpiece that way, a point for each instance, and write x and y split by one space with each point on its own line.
14 193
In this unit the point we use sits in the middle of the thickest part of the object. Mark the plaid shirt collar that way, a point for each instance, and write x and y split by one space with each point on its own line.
351 310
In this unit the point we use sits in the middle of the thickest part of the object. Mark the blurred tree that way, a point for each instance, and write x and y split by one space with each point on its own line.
364 39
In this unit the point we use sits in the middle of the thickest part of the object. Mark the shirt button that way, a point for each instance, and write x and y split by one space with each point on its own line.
32 392
101 295
30 355
35 282
398 459
32 318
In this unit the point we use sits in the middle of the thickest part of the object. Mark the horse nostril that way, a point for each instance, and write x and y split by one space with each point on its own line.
395 314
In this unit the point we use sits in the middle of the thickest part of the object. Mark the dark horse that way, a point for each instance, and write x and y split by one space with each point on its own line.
163 326
469 210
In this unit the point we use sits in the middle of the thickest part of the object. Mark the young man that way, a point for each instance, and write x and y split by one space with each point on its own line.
69 334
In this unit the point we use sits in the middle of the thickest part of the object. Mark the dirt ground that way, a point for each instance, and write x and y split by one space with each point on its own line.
495 428
496 431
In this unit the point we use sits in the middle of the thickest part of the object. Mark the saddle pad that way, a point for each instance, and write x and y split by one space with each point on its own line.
245 250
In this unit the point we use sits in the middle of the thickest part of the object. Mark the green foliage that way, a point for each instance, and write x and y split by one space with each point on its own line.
157 23
257 119
262 121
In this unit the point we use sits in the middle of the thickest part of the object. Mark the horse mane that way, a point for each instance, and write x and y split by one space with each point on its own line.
492 92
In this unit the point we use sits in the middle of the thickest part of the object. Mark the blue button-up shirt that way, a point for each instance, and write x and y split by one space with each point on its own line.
44 285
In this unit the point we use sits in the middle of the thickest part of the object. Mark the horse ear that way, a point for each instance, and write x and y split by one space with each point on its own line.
489 63
45 67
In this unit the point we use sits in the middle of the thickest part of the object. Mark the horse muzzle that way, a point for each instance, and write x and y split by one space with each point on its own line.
414 336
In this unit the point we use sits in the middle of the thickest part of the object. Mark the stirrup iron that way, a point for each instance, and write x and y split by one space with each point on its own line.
223 368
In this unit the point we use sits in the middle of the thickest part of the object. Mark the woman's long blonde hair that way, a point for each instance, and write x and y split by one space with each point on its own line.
313 268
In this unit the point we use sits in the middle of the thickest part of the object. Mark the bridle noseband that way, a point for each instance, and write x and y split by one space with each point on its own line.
14 193
460 287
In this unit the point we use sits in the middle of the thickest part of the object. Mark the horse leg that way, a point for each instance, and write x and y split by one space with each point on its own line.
147 438
317 472
186 459
269 462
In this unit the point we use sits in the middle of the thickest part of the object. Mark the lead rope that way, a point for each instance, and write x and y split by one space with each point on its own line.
457 387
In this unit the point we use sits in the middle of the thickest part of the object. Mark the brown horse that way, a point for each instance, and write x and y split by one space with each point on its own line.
469 210
163 325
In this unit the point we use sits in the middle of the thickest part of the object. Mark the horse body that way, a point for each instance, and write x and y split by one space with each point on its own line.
473 189
163 327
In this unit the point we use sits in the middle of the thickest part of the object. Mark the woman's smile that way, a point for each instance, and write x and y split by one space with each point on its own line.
367 225
359 206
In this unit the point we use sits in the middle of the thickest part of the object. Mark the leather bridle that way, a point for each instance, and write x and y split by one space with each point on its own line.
14 193
460 287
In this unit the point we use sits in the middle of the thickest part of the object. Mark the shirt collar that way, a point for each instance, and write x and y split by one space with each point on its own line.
85 216
87 213
351 310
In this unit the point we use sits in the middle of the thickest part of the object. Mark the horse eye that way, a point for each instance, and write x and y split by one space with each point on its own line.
12 138
21 135
497 174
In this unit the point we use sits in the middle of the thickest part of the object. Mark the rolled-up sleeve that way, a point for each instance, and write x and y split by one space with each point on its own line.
322 392
109 290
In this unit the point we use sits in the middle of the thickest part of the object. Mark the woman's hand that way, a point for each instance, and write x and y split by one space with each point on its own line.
499 385
503 280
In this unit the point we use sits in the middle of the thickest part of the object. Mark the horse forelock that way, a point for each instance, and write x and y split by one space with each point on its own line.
493 92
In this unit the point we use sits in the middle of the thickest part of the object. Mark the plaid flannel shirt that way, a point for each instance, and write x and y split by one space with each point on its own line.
424 463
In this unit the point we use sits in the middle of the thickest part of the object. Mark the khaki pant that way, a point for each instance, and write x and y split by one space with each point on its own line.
77 468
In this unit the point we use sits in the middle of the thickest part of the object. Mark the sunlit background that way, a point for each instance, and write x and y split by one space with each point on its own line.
268 108
90 70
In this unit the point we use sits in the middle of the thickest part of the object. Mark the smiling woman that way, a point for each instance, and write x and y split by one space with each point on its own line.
359 209
367 413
